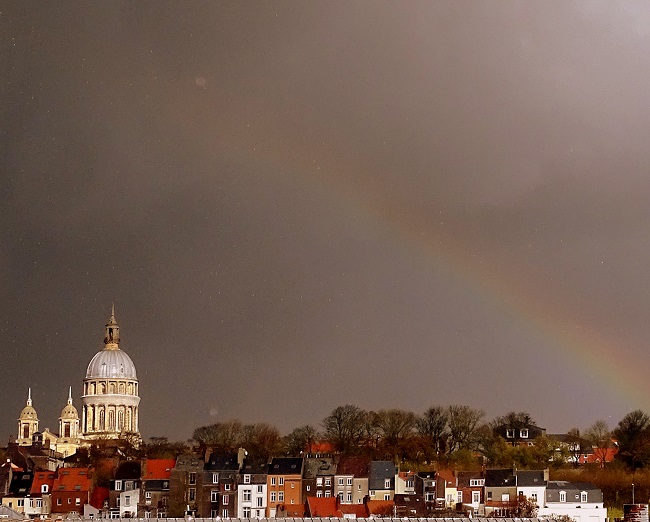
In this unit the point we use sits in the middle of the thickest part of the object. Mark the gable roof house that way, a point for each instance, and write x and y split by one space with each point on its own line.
284 485
19 488
153 500
351 479
531 484
470 485
252 489
318 479
219 488
579 500
500 493
187 475
425 486
40 504
381 480
71 490
518 433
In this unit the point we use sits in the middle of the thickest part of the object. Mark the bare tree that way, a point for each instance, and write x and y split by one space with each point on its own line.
463 427
345 427
300 440
432 425
600 438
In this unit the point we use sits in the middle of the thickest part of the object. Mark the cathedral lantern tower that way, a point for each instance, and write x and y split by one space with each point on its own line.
27 422
110 390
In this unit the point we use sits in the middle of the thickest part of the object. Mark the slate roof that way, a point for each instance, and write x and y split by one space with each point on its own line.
128 470
358 467
380 470
21 484
222 462
500 478
530 478
313 467
286 466
254 467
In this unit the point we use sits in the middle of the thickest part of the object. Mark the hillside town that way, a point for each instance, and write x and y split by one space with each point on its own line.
364 464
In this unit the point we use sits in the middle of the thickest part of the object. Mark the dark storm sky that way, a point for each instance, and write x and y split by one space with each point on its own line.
296 205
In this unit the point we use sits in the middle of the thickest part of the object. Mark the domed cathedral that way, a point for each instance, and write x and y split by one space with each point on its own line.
27 422
110 391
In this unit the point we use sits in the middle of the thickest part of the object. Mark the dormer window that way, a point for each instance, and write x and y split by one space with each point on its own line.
562 496
510 433
44 488
523 433
583 496
387 483
118 485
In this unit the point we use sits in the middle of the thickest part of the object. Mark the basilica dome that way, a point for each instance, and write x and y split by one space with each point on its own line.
111 364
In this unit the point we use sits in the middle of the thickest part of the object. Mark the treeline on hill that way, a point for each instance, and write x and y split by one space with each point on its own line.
455 436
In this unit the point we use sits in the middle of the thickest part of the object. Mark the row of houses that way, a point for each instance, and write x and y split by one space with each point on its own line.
235 486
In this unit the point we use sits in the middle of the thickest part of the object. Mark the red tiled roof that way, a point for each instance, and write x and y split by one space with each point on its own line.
380 507
158 469
42 478
67 479
360 510
448 476
323 507
319 447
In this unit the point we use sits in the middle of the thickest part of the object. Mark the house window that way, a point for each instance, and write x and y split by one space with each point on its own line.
192 479
77 501
319 481
272 496
429 496
247 496
147 495
523 433
281 481
583 496
44 488
127 501
192 494
459 497
328 493
349 481
387 483
328 481
118 485
215 478
224 513
39 503
476 482
226 487
260 489
247 479
260 502
292 501
341 481
562 496
510 433
308 487
533 497
489 495
359 487
386 496
319 493
372 492
247 512
273 481
21 502
224 500
214 495
349 497
293 485
476 497
280 496
409 483
214 513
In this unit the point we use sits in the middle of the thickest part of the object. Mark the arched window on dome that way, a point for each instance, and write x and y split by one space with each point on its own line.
111 420
120 420
121 390
91 388
102 419
111 388
66 430
102 388
103 371
128 419
25 431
